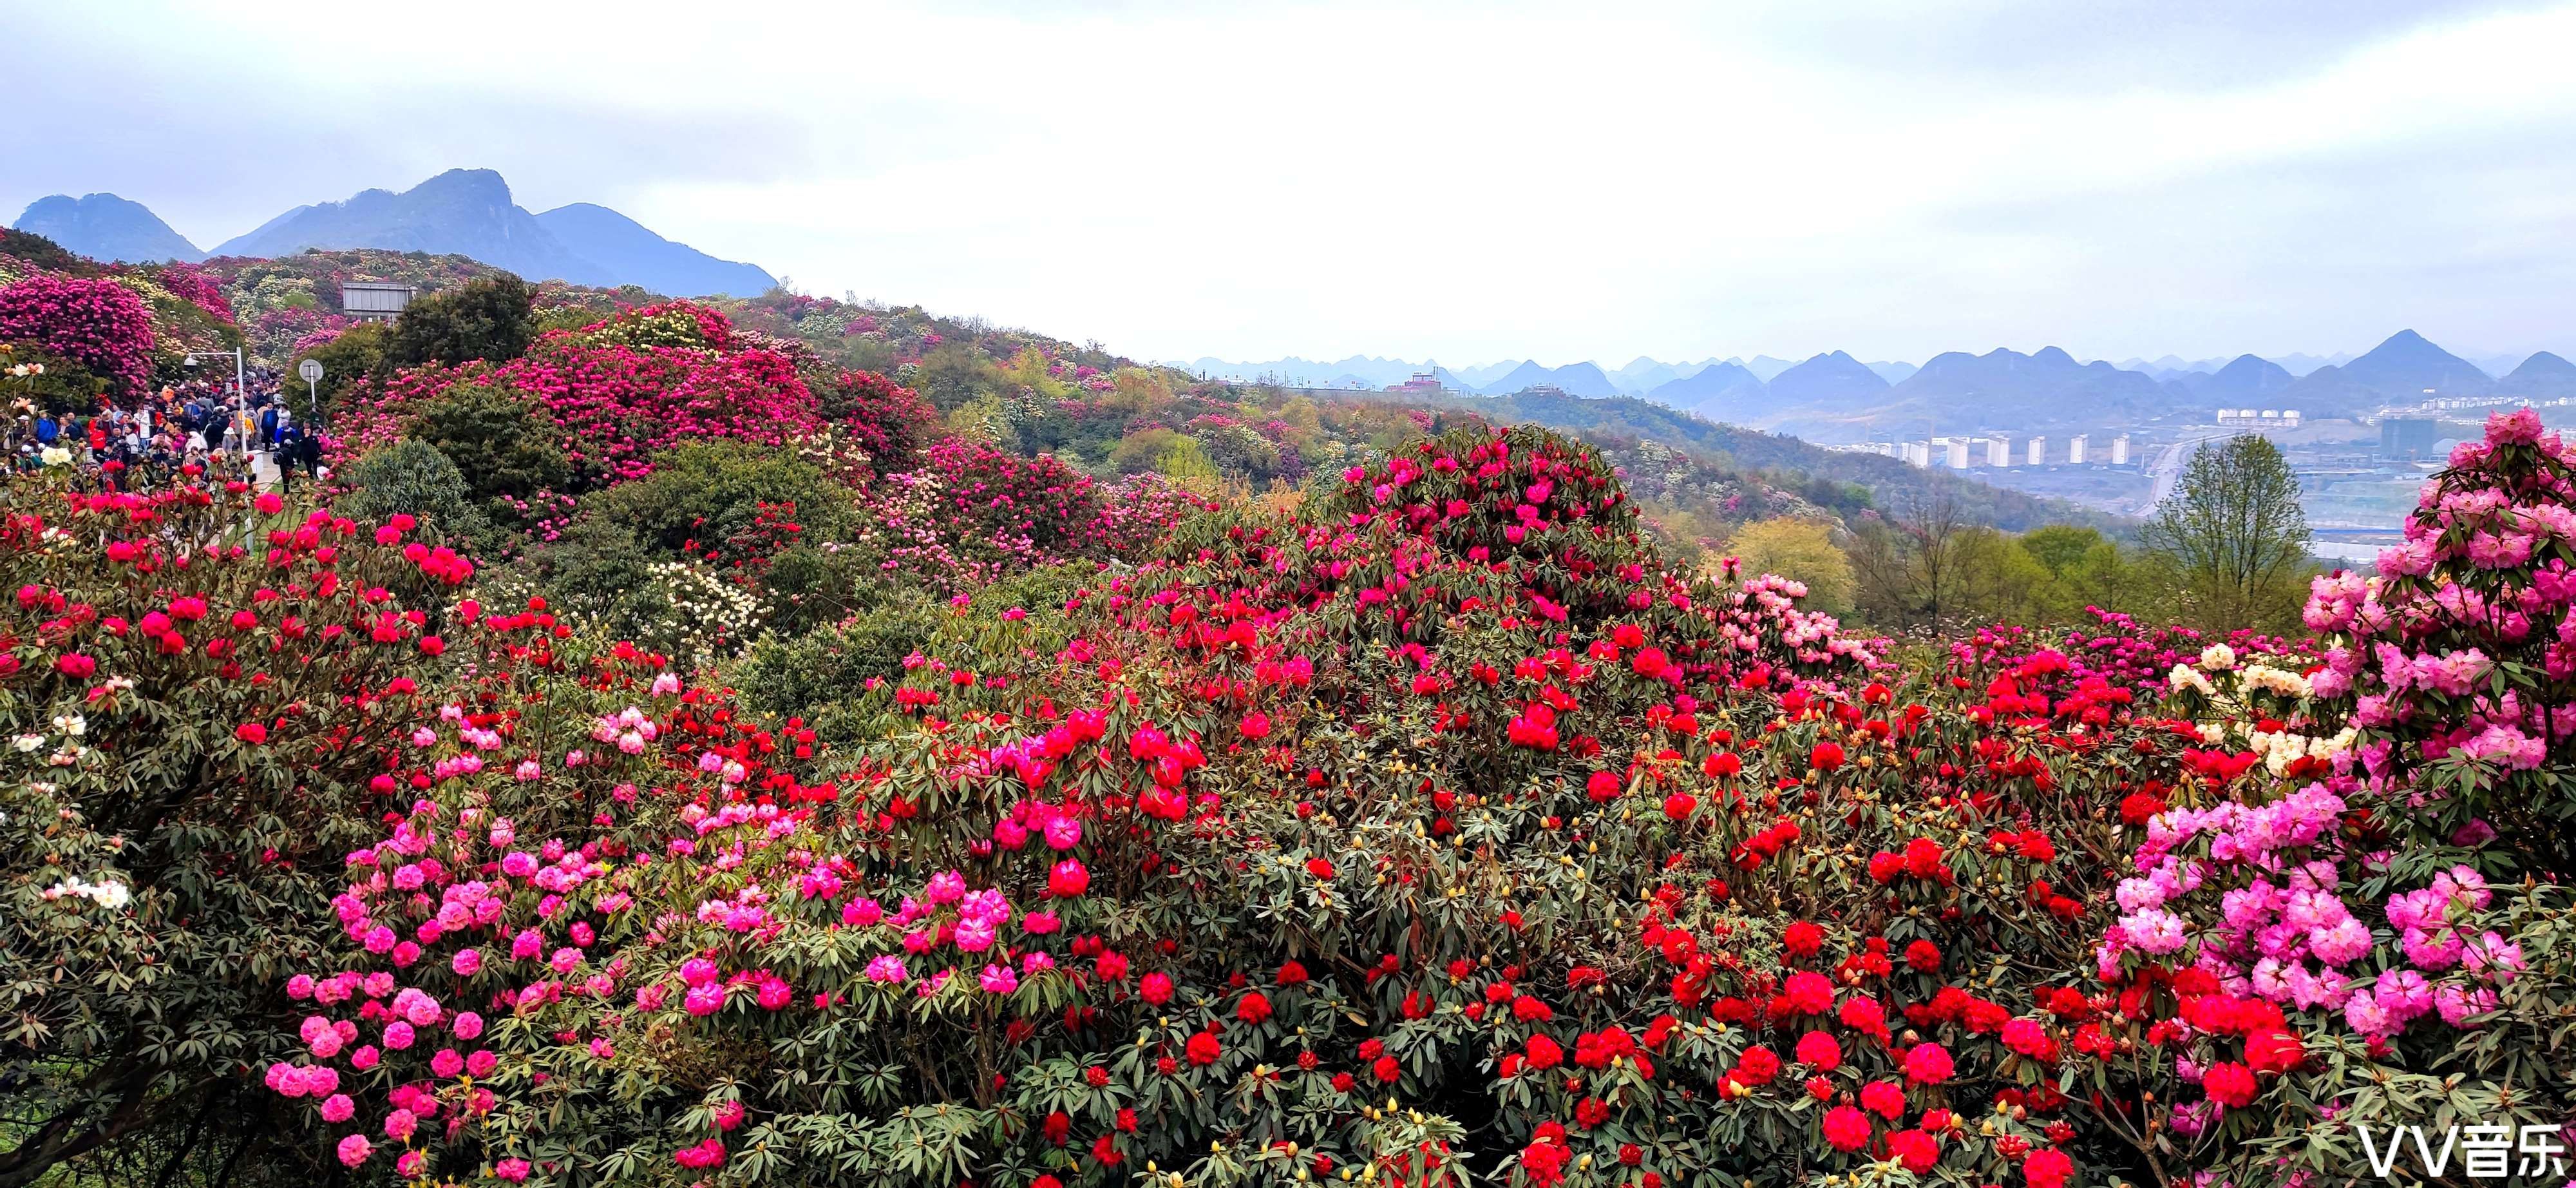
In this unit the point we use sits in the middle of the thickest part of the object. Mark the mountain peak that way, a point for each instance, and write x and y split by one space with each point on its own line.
470 212
472 183
106 227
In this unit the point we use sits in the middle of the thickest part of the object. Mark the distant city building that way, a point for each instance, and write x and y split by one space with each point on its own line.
1919 453
371 301
1956 450
2075 450
2120 450
2271 414
2037 451
2408 437
2290 417
1998 452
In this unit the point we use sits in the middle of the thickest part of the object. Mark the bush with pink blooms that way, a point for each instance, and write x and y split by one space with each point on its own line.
93 322
2361 918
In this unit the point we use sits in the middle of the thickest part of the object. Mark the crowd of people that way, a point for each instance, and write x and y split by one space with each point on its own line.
218 424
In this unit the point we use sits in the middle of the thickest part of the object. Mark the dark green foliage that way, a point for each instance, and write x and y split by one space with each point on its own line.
357 353
413 478
501 443
590 569
708 500
486 318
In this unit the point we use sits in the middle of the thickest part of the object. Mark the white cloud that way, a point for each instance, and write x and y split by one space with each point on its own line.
1460 181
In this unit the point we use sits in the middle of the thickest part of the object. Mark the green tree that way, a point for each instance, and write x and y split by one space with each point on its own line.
2061 546
412 477
2237 534
485 318
356 354
1802 550
499 441
728 502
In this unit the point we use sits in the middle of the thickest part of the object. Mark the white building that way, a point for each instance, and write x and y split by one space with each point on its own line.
2075 450
1956 450
2290 418
2120 450
1919 453
2037 451
1998 452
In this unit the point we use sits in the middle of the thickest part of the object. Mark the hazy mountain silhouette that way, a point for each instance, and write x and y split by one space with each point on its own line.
633 254
2247 379
1833 380
2543 375
1577 379
2396 371
1719 391
1766 368
106 227
469 212
2006 387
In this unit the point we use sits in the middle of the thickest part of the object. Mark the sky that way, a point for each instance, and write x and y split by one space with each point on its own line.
1462 182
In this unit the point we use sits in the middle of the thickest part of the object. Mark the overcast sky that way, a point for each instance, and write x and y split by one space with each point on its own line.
1559 181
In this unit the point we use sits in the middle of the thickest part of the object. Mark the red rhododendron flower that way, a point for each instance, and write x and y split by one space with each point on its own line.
2274 1052
2229 1084
1821 1050
251 732
2047 1169
1914 1150
1847 1129
1884 1099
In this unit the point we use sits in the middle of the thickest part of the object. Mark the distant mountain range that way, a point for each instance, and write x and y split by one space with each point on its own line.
1834 396
467 212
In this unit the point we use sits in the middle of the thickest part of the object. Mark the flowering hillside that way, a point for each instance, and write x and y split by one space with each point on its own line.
1432 830
670 754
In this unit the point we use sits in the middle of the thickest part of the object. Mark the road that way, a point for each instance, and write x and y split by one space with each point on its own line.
2167 464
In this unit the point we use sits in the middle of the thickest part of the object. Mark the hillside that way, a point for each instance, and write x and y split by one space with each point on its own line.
106 227
1786 462
2540 377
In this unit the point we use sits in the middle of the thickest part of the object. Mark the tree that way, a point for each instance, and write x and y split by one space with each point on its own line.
486 318
501 443
1801 550
2236 531
2061 546
353 355
1909 569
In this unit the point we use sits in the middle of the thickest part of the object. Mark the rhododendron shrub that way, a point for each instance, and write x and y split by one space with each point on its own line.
969 514
200 691
2354 912
1226 868
620 392
96 323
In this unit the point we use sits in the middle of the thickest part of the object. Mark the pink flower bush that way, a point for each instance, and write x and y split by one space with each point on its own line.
98 324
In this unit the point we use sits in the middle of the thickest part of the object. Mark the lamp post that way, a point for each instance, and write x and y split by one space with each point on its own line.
241 394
